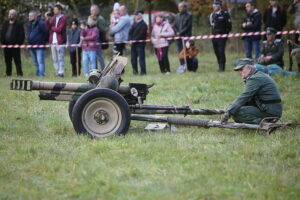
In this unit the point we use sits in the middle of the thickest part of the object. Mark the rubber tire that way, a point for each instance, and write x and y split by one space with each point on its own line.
93 94
70 108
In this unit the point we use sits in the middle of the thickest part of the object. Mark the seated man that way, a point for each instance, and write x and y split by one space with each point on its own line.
272 49
260 98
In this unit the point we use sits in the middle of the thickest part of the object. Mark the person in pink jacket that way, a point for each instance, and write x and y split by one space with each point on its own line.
57 26
89 38
162 29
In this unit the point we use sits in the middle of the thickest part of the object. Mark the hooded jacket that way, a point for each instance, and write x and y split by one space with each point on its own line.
256 19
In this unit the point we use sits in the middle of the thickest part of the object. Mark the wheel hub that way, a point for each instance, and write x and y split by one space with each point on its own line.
101 117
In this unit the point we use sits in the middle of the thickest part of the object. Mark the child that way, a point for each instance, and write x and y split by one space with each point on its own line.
114 19
189 53
89 37
75 52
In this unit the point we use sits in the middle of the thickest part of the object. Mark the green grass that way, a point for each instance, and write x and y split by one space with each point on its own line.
41 157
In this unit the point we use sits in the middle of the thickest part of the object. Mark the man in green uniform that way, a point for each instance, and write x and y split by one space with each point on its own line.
272 49
260 98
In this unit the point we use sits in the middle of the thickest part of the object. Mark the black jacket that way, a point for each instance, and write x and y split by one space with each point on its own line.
220 22
256 20
18 33
278 21
183 24
138 31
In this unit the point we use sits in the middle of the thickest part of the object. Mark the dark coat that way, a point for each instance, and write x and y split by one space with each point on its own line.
276 50
262 86
37 33
220 22
18 33
138 31
256 20
183 24
73 38
278 21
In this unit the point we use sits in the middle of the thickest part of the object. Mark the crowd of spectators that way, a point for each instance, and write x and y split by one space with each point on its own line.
55 30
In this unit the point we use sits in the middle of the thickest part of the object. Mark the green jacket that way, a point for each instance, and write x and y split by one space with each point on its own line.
276 50
262 86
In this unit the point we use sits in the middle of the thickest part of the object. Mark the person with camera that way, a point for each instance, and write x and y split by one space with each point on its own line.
57 26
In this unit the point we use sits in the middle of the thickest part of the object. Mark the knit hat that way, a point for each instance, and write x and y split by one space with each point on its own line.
116 6
74 21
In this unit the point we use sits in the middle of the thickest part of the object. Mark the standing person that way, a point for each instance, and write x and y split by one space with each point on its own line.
260 98
138 31
272 49
75 52
275 16
114 20
189 53
162 29
294 8
221 24
252 23
101 25
37 35
90 37
12 33
182 27
57 25
121 30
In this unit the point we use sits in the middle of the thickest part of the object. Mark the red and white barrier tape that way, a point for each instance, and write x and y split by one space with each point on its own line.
199 37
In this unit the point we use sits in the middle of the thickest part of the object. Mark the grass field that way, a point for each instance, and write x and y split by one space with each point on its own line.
41 157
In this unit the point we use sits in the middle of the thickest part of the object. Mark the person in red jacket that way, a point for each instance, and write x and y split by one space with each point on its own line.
57 26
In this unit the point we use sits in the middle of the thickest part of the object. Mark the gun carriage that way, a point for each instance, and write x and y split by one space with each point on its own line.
103 107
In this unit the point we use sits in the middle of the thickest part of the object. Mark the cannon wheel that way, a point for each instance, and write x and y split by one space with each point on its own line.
101 113
70 108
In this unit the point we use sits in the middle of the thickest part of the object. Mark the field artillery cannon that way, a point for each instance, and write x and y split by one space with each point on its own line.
104 107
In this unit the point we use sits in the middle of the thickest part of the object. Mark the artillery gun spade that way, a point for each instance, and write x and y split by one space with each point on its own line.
103 107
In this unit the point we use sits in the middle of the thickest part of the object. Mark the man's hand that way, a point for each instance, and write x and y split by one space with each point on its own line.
225 117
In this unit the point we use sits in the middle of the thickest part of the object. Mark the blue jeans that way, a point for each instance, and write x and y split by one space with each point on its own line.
273 69
179 48
252 44
38 58
89 61
138 51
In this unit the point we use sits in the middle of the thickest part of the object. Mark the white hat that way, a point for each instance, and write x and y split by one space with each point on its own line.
117 6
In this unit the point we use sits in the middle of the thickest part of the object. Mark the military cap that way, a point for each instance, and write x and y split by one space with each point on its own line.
240 63
271 30
217 3
139 12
